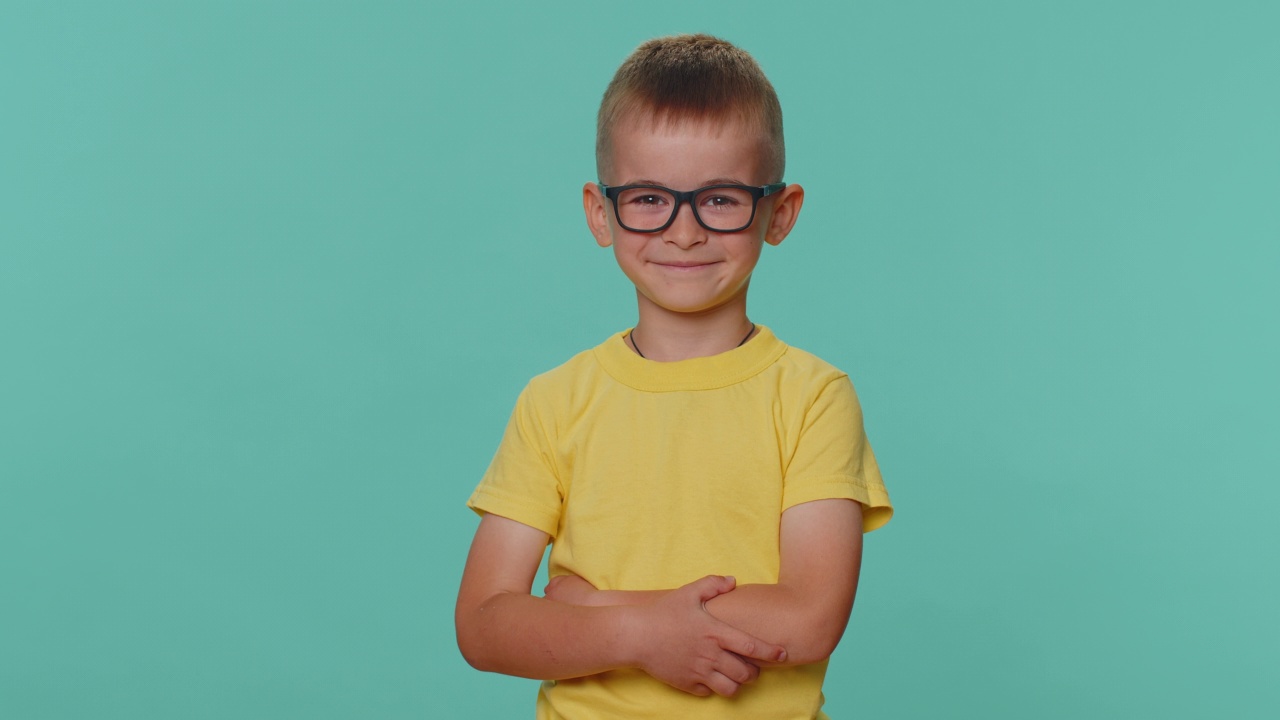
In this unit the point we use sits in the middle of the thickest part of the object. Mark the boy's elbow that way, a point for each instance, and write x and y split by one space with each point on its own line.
818 648
470 651
470 640
478 654
807 648
818 638
477 660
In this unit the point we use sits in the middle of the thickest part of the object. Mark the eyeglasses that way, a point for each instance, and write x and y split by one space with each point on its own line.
718 208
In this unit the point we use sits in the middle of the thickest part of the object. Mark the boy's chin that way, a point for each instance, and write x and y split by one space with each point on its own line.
694 300
690 307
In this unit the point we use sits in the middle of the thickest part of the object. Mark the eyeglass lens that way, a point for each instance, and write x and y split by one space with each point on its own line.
717 208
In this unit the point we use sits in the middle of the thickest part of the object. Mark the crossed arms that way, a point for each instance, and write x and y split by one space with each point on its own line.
705 637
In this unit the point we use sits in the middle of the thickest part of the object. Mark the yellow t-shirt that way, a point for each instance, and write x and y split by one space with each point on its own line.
650 475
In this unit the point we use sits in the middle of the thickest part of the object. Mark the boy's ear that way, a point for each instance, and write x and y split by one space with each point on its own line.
595 205
786 210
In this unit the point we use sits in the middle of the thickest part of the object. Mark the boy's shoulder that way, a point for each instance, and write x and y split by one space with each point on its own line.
581 365
810 364
562 383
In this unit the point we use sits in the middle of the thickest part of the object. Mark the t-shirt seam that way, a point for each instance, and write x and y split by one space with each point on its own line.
841 375
546 445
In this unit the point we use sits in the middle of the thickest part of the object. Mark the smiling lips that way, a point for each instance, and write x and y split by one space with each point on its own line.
684 264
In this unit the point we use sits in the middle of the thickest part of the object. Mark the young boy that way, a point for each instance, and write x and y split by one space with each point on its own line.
704 485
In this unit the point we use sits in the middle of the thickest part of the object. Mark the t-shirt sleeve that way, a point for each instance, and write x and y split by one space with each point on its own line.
522 483
833 459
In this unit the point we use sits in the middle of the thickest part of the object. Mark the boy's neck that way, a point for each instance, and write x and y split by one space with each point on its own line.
667 337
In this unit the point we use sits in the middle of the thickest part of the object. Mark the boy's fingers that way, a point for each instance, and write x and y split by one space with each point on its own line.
721 684
700 690
738 670
713 585
752 648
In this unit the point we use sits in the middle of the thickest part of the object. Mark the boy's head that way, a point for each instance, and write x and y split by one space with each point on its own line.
695 78
690 161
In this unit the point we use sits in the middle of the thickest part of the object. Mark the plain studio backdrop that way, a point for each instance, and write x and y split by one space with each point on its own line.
272 274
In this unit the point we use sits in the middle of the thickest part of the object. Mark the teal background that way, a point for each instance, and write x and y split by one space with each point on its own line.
271 276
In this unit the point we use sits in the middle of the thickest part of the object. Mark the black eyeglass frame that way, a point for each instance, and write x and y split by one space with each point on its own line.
756 191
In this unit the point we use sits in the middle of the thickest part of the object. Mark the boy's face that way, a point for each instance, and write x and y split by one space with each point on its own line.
687 268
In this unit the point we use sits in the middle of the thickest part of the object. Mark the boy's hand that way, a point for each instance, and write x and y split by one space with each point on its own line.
571 589
688 649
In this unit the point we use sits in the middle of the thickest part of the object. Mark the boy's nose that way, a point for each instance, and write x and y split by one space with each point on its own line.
685 231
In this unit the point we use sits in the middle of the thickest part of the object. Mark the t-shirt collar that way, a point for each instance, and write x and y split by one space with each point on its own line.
704 373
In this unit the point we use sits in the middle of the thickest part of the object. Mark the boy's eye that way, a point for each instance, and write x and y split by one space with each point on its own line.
643 199
725 202
720 201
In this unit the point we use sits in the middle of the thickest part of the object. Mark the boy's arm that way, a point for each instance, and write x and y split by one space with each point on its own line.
806 611
502 628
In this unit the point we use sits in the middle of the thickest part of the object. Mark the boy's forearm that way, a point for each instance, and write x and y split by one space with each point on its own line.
809 630
776 613
518 634
806 611
820 544
502 628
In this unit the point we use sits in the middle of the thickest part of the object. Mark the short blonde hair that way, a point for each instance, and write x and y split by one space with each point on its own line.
692 77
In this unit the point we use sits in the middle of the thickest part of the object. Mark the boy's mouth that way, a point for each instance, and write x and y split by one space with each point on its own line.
684 264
